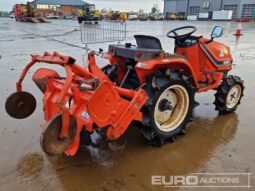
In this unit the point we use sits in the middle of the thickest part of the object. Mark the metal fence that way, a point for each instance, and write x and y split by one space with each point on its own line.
102 31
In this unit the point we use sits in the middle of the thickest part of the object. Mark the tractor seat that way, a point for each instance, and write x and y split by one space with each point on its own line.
148 42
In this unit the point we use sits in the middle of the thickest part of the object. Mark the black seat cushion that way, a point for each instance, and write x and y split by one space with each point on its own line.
150 42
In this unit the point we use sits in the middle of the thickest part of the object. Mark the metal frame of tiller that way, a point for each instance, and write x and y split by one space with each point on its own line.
87 95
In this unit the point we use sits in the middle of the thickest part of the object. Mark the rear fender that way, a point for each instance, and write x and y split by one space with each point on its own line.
146 68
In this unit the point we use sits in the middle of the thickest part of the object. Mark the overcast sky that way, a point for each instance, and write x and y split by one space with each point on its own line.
122 5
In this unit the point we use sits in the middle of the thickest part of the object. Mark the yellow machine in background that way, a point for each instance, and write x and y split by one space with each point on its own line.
116 15
26 13
89 13
123 16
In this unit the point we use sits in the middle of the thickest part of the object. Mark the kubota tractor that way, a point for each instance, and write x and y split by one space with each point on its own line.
142 84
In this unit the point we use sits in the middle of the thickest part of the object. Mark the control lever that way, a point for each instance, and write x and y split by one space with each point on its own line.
130 68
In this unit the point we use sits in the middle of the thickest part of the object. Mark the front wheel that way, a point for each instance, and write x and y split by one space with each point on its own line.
229 94
169 108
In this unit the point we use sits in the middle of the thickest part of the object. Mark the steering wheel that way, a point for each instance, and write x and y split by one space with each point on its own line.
173 33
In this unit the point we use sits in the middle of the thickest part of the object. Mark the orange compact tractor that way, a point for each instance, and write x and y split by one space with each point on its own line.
142 84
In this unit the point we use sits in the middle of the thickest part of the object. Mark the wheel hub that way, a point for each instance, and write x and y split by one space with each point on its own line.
233 96
164 105
171 108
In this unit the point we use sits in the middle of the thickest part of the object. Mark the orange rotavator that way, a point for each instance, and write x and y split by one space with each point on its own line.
142 84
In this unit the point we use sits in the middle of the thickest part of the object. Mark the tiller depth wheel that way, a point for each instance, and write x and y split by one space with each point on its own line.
20 105
51 142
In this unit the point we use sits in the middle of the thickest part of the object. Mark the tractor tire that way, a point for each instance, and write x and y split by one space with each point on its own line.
229 95
169 107
80 19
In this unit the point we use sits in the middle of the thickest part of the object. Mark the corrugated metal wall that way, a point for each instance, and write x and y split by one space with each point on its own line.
215 5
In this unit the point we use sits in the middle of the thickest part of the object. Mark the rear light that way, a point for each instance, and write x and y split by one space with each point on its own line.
138 54
162 55
111 49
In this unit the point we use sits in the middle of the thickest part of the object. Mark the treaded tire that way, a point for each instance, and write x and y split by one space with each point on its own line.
156 85
80 19
223 91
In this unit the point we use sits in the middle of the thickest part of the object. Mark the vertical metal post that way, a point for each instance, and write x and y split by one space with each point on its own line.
188 7
221 3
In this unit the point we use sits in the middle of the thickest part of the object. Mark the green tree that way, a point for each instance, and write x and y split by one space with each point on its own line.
153 9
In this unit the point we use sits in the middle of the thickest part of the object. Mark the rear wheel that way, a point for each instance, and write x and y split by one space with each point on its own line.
229 94
169 108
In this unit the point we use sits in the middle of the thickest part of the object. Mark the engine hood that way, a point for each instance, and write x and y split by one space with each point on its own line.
218 51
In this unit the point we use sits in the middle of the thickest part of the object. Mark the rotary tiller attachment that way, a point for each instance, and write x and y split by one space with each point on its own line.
20 105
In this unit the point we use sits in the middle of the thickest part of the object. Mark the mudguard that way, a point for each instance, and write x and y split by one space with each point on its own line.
144 69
